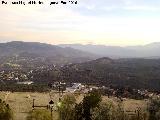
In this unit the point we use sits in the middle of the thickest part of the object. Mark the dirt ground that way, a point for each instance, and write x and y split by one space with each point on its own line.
21 102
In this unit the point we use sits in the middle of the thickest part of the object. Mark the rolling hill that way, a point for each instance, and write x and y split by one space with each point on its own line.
136 73
40 53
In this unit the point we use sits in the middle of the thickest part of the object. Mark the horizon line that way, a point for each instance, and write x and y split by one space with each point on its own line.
79 43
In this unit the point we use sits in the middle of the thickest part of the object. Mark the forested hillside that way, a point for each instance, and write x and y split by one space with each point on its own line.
135 73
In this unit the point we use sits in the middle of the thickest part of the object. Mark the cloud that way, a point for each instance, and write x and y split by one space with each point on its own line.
89 21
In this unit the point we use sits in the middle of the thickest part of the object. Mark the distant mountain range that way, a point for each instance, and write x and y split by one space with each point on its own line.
44 52
86 68
146 51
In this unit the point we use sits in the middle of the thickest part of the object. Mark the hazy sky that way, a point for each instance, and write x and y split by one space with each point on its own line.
109 22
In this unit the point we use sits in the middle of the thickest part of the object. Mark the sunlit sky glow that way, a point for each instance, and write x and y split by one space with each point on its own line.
108 22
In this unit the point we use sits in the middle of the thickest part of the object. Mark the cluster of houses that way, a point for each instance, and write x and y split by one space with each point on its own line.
122 93
22 78
73 87
13 75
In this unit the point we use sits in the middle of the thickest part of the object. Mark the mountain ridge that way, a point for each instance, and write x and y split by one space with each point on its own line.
34 50
143 51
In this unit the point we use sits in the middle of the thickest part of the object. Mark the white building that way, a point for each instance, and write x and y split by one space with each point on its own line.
25 83
75 87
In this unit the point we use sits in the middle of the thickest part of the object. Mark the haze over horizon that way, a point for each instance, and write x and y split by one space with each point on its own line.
104 22
83 44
